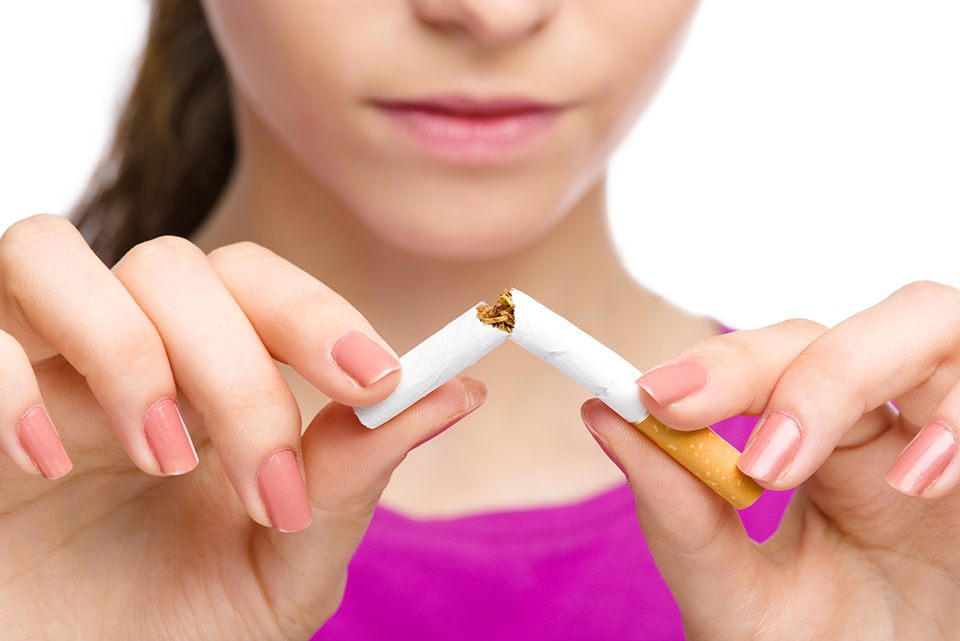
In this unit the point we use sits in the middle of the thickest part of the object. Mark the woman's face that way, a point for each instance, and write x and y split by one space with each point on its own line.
452 128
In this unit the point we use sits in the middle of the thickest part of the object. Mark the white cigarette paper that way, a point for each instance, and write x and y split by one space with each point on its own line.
584 359
554 339
457 346
544 333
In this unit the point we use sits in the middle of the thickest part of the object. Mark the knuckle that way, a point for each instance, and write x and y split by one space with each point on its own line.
160 253
934 294
30 238
777 343
936 306
11 355
241 250
739 348
29 229
824 373
805 326
301 308
137 349
926 288
252 396
783 340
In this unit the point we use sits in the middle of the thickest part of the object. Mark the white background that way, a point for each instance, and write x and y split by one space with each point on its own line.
803 159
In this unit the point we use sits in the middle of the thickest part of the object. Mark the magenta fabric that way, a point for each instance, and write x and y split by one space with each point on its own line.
576 572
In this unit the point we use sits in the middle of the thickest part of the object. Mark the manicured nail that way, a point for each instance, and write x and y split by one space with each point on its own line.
168 438
772 448
284 493
37 436
924 460
475 392
590 413
674 382
362 359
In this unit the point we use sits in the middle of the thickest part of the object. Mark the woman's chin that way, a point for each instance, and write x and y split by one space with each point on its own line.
463 244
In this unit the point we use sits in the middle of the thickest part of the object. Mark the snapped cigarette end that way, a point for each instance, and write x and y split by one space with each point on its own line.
708 457
612 379
500 314
456 346
555 340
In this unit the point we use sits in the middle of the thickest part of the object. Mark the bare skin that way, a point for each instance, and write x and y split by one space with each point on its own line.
313 244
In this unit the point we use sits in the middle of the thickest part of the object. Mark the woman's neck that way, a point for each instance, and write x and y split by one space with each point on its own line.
574 264
573 269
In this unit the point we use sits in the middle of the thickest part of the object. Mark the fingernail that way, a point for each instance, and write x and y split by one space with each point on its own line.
589 413
772 448
924 460
362 359
38 437
168 438
674 382
456 418
475 392
284 493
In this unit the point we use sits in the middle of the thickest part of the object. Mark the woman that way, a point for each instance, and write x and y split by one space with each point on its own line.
357 175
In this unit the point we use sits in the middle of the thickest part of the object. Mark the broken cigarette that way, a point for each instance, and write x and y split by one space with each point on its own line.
557 341
460 344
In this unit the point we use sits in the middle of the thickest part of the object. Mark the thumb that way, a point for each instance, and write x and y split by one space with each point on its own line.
347 468
698 542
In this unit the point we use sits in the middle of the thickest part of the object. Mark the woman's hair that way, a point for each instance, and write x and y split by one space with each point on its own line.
173 148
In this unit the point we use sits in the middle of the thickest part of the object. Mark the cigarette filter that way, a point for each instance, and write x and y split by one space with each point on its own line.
557 341
612 379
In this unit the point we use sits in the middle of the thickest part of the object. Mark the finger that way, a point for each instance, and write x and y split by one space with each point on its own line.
27 435
817 389
223 370
348 467
929 466
908 345
725 375
60 299
306 325
696 538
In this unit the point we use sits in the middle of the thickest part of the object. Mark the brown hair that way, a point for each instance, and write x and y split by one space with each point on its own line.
173 148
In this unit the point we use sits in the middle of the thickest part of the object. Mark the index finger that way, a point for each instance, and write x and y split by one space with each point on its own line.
725 375
60 299
813 385
306 325
907 348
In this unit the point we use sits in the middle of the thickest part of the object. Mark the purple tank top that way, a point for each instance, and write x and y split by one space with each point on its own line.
573 572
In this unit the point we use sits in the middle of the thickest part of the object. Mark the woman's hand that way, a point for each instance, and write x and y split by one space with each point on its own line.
103 355
854 558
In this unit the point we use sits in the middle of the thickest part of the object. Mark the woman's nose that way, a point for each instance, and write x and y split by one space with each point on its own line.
493 23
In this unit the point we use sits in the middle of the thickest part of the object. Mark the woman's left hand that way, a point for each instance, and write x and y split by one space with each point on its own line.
870 545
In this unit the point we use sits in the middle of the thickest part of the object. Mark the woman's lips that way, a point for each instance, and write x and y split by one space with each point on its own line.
463 130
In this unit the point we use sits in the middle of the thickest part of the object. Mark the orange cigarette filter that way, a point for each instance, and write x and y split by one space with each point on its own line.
708 457
608 376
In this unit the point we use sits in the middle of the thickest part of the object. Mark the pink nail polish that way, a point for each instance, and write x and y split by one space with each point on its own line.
924 460
476 394
284 493
38 437
773 447
168 438
589 415
362 359
674 382
453 420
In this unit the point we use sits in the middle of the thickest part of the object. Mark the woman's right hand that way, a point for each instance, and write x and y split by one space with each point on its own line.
108 357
